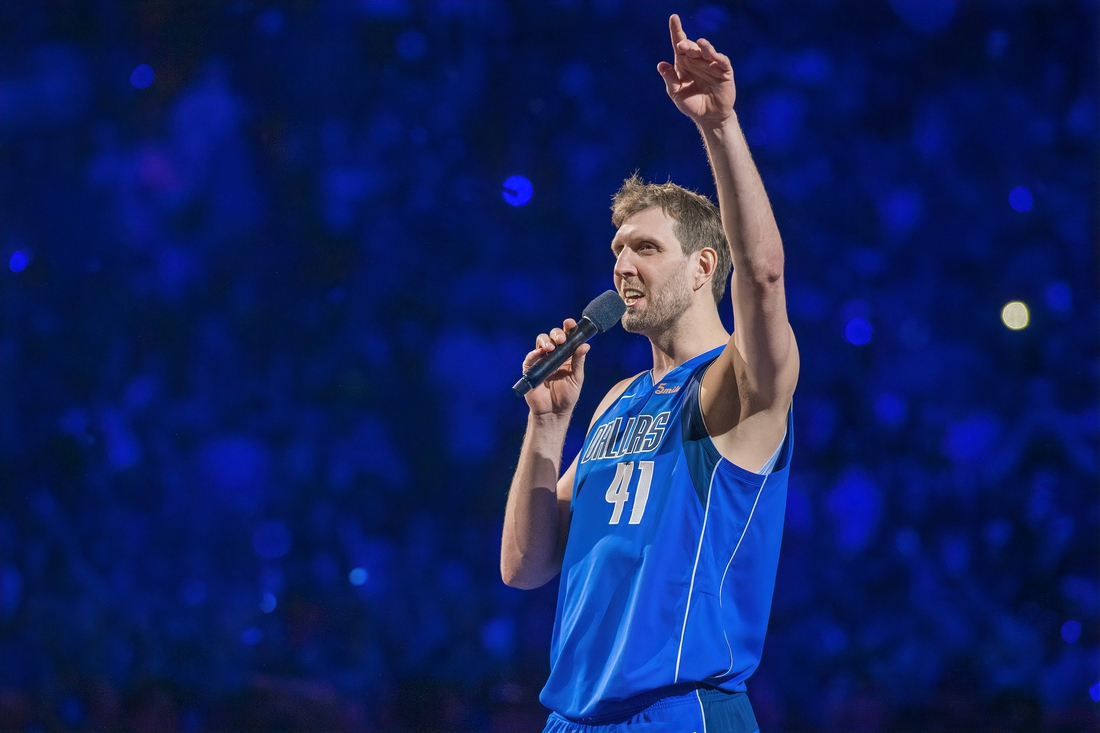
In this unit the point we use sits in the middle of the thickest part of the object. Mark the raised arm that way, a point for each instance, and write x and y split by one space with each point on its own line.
760 364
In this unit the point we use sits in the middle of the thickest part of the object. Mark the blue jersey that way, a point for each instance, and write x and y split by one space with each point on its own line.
669 568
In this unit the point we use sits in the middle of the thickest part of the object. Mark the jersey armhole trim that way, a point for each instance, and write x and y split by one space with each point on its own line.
728 466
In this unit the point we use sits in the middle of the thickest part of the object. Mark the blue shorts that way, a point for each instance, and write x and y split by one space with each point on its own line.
704 710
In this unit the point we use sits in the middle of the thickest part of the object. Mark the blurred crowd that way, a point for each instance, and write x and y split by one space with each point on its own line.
263 301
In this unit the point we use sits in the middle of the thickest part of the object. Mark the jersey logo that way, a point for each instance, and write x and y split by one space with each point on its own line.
613 439
662 389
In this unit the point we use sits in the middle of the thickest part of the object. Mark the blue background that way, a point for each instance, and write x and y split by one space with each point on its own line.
264 298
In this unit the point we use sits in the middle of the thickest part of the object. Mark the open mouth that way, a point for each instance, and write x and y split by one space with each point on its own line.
631 296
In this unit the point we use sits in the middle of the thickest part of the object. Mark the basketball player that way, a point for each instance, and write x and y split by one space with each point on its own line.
666 526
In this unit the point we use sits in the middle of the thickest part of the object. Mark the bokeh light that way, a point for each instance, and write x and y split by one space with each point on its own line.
1059 297
270 22
193 592
890 409
1015 315
1020 199
996 43
142 76
858 331
926 16
72 710
497 636
907 541
411 45
297 309
517 190
18 261
271 540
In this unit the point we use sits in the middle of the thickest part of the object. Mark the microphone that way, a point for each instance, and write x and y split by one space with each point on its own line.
598 316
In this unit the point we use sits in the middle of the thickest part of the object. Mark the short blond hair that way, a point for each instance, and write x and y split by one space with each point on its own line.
698 223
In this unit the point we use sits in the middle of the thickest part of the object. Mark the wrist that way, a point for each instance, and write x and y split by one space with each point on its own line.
545 434
720 128
549 421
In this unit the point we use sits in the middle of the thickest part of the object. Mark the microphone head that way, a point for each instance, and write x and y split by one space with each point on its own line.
605 310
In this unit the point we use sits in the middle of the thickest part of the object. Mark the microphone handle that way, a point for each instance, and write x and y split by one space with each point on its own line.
548 363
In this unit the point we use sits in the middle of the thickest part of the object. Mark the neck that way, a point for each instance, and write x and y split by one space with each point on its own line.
696 332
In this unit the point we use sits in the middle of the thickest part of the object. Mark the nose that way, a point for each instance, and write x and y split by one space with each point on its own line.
624 264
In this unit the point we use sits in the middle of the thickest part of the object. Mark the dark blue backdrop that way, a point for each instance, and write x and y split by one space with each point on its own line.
264 297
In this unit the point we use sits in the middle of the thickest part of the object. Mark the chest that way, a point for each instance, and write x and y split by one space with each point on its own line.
630 461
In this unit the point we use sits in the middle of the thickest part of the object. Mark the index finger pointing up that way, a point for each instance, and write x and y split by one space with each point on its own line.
676 30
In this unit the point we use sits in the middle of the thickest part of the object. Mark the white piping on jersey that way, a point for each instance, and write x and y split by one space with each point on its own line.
728 649
723 583
770 465
743 531
702 712
691 587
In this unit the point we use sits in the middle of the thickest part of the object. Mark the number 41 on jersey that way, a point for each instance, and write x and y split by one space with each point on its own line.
619 494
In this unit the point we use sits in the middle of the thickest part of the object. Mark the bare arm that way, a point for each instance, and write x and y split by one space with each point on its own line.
762 335
536 517
760 365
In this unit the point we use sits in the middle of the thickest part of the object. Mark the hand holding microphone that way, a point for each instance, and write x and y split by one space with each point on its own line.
553 350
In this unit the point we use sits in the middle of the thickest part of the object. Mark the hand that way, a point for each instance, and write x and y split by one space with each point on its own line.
701 81
558 393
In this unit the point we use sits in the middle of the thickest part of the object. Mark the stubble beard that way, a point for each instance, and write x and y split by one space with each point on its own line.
663 309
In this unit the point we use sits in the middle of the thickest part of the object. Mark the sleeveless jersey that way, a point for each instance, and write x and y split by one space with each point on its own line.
670 564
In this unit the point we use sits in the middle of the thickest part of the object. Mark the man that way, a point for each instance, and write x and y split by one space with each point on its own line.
666 526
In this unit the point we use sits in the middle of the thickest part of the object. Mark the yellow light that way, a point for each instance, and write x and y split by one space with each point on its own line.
1015 315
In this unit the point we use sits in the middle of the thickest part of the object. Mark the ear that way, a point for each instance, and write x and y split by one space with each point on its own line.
706 261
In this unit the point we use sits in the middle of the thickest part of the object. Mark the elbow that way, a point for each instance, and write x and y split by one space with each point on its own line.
516 576
509 575
514 580
510 567
770 276
763 273
518 583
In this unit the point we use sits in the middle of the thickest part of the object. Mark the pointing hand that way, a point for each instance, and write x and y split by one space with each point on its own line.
700 81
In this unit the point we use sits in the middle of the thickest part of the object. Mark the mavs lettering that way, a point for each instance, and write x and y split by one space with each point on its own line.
614 439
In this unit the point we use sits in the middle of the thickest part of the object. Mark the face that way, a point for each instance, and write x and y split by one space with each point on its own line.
650 272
